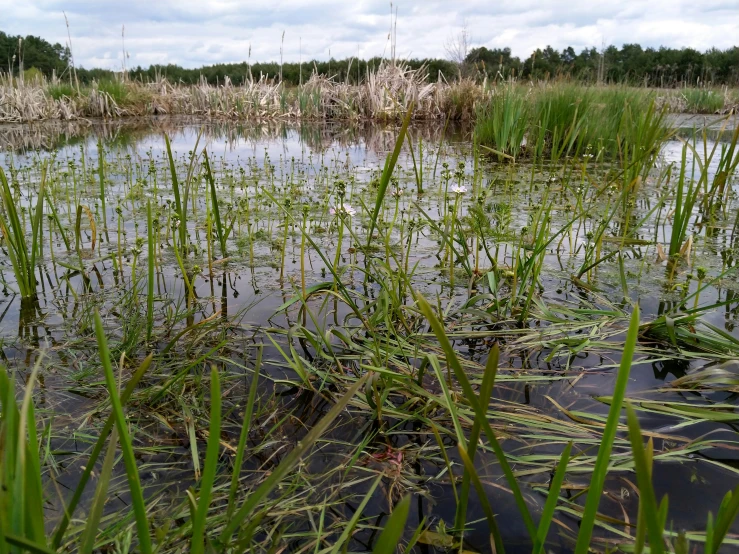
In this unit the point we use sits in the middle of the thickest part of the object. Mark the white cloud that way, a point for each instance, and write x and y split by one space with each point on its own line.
196 32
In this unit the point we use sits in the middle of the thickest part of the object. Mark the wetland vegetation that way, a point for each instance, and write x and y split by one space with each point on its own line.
514 332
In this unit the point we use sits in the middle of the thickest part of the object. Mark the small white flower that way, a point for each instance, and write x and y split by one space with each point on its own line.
397 193
343 209
459 189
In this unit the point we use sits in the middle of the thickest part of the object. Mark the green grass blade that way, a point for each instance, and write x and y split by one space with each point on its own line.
388 540
480 412
214 204
289 461
550 505
87 542
55 217
450 405
27 545
134 483
469 469
351 524
27 513
37 227
609 434
150 273
244 435
644 480
8 437
387 173
179 207
101 177
13 232
97 449
211 462
419 181
726 515
486 389
34 489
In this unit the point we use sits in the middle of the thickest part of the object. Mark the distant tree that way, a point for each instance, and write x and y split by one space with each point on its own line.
457 47
32 52
495 63
666 67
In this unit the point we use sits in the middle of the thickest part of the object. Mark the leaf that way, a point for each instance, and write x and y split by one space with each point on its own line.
97 449
87 542
351 524
245 427
387 173
483 498
211 461
214 204
600 470
650 512
327 285
388 540
289 461
480 413
134 483
550 505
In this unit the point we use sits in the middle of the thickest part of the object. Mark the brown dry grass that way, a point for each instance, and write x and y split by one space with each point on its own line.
385 94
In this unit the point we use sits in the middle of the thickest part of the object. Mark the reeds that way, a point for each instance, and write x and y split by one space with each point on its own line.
385 92
22 257
686 196
504 122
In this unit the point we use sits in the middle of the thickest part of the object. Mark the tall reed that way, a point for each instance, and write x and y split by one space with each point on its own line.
503 123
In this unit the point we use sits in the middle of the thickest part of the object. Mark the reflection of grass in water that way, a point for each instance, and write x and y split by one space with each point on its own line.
356 334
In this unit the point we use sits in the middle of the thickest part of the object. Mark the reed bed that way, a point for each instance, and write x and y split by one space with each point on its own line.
385 93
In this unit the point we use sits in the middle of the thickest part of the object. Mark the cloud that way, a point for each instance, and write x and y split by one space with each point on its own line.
192 33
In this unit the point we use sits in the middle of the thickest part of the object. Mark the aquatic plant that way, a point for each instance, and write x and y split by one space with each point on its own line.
503 123
477 353
22 256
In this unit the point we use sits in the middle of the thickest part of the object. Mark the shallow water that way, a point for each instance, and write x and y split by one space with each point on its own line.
307 161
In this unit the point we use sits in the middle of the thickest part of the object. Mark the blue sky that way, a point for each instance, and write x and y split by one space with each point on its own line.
192 33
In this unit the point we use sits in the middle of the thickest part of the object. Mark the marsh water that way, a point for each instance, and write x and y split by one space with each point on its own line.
550 373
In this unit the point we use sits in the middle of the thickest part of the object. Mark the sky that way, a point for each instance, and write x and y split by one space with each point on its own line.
192 33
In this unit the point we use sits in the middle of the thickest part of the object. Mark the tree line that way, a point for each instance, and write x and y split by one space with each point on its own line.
630 64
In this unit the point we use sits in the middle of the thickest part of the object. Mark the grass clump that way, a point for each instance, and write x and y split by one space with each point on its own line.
502 124
61 90
703 100
22 255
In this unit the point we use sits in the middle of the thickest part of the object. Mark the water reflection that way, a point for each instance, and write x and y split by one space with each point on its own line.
222 135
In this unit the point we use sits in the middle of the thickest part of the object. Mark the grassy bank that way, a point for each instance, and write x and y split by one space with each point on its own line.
385 93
